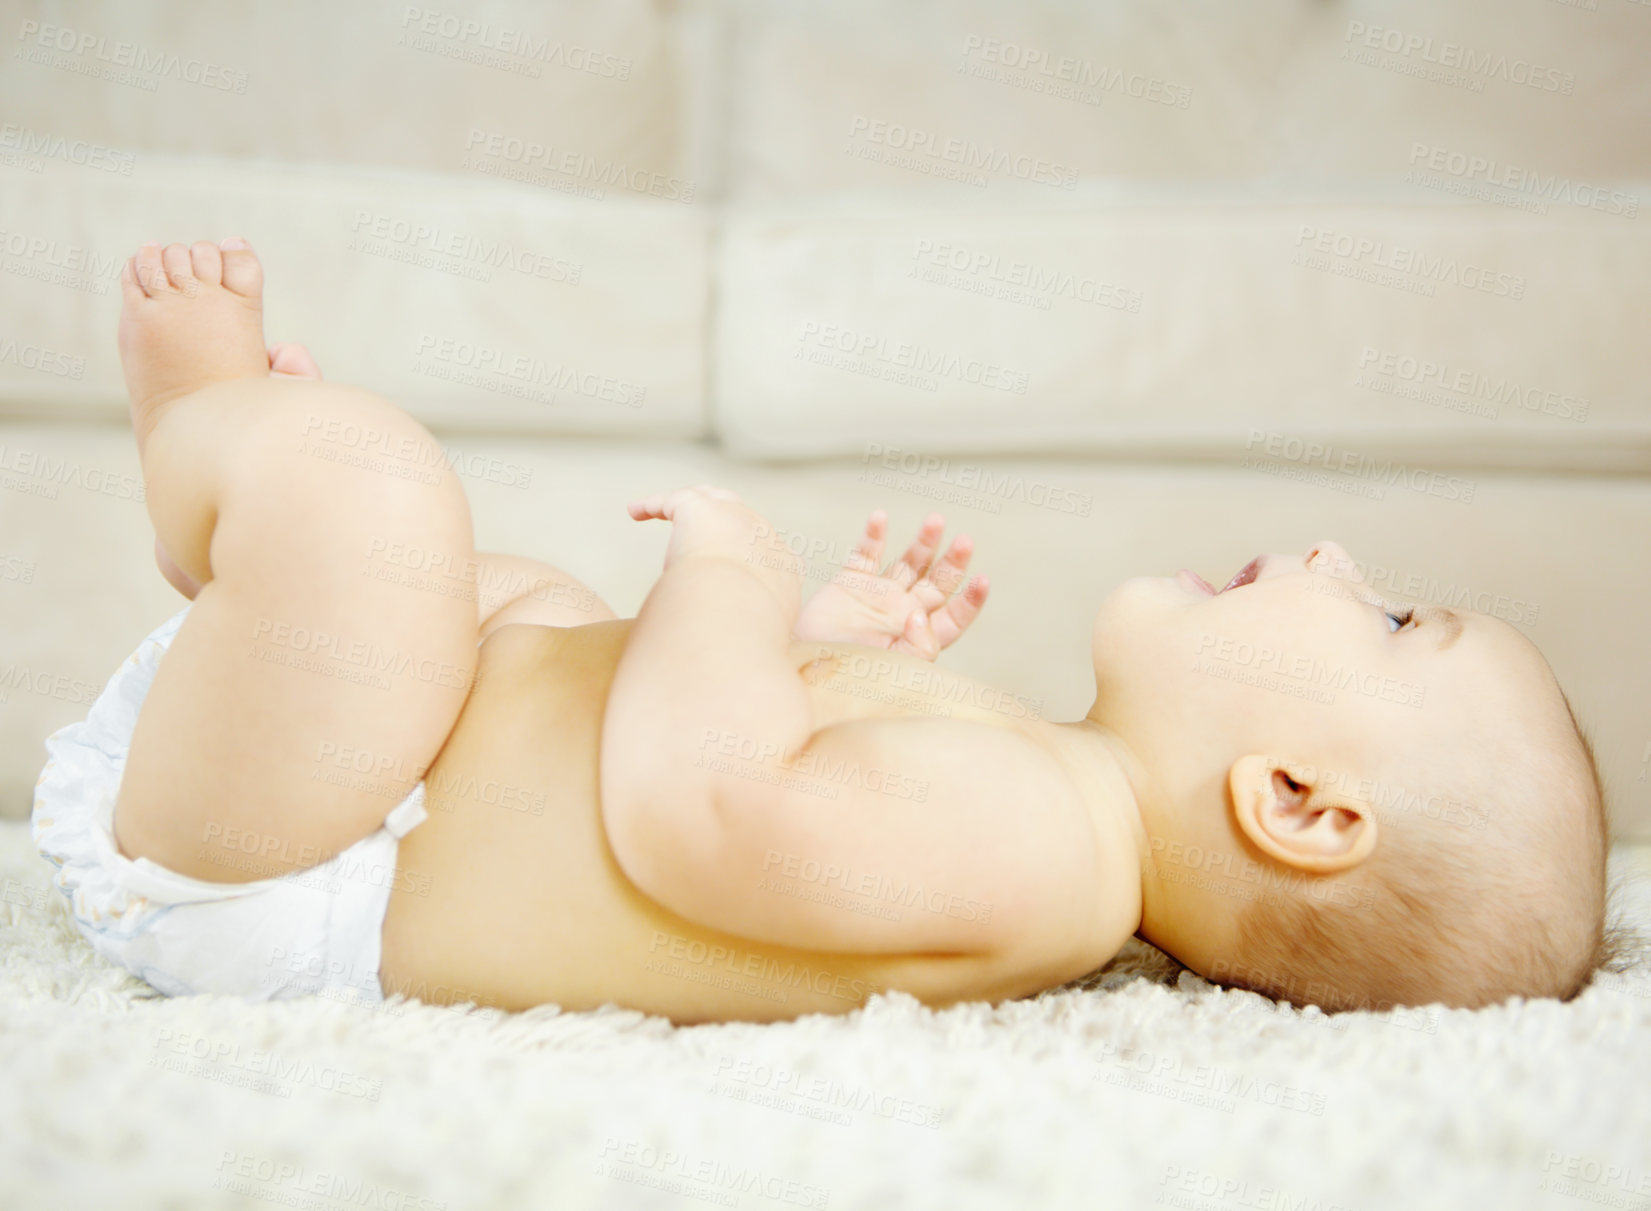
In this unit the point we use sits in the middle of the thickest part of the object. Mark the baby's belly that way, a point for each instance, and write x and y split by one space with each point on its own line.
513 898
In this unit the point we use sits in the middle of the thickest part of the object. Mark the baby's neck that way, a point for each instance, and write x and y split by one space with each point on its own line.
1112 782
1129 807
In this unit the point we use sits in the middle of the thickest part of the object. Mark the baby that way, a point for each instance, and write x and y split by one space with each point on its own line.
352 778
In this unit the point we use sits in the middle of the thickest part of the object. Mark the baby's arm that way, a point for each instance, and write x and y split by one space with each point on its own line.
1000 844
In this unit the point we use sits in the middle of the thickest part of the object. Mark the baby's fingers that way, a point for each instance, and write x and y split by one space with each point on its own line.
918 638
665 504
960 611
909 568
867 555
651 508
949 574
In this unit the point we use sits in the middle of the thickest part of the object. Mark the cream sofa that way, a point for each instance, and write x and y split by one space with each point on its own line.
1119 289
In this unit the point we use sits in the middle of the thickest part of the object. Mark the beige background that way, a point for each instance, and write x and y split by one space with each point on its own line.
789 218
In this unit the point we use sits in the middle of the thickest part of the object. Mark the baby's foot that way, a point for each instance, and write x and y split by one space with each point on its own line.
291 360
191 315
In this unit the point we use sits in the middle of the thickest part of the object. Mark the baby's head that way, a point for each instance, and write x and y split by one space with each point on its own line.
1349 805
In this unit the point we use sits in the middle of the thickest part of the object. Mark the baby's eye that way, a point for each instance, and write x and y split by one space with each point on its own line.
1399 619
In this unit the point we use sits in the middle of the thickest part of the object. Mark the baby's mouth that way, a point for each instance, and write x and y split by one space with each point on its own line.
1245 575
1198 582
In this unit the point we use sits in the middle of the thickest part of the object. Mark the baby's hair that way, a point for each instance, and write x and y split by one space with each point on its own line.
1619 946
1443 922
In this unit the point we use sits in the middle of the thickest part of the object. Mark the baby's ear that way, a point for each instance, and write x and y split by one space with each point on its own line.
1286 810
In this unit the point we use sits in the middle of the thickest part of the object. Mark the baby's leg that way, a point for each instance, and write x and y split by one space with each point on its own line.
509 588
290 653
514 588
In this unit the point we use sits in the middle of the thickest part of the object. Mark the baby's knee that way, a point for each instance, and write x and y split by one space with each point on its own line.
355 427
366 438
342 468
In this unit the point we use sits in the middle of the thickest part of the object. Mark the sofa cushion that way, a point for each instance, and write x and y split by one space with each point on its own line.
955 98
470 301
1186 323
387 84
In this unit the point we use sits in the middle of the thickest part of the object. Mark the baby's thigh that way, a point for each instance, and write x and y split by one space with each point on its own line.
516 589
290 655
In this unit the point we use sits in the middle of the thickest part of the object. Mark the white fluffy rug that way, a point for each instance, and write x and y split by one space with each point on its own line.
1151 1088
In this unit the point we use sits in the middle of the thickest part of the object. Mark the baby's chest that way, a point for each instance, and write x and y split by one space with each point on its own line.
849 683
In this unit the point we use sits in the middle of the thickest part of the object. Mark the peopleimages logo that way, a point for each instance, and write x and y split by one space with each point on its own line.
993 268
1456 57
62 264
473 39
1381 364
1309 453
466 361
981 481
1549 187
485 151
39 358
27 142
964 154
47 475
293 1185
1429 269
433 246
1215 653
95 55
1063 76
869 348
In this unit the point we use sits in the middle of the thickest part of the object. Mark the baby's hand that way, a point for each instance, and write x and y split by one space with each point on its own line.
909 607
709 521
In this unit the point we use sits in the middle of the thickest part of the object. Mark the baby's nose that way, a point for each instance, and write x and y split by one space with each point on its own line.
1329 557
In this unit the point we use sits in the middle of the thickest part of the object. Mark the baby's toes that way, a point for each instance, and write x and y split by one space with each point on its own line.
151 273
293 360
207 262
180 272
243 273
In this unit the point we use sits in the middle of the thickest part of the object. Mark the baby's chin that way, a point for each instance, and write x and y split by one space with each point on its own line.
1128 638
1136 602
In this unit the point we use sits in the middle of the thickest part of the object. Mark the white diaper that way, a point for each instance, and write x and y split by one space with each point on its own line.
307 932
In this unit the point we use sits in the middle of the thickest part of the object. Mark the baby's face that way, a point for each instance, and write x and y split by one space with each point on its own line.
1302 658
